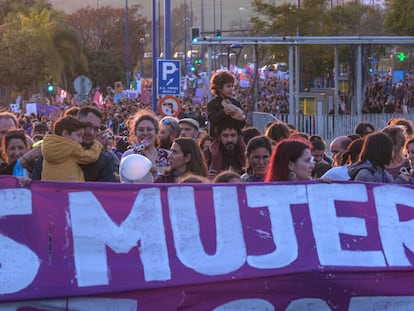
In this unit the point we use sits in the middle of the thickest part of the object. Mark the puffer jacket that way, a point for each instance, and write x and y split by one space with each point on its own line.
62 156
366 171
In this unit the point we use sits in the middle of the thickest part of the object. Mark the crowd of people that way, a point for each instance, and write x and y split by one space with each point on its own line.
384 96
89 143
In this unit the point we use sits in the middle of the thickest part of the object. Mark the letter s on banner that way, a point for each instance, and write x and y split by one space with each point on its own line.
19 264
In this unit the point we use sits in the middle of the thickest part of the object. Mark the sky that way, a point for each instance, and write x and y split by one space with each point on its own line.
234 11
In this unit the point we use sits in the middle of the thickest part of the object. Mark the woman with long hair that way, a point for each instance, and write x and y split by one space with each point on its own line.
258 153
186 157
277 131
398 161
291 160
17 155
376 154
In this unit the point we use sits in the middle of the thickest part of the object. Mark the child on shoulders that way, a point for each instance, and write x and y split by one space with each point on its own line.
224 108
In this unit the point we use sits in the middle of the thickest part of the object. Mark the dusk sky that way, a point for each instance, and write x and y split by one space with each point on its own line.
234 12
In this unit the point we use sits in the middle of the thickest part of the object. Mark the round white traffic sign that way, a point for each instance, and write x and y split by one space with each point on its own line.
82 85
169 106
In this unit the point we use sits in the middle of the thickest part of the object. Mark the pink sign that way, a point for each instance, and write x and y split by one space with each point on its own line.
271 246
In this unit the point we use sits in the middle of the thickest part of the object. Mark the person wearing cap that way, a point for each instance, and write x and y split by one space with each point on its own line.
189 128
169 129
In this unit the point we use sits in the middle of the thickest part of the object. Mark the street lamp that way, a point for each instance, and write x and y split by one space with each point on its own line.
237 48
142 42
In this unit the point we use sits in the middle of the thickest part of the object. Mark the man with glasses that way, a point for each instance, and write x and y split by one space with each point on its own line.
169 130
102 169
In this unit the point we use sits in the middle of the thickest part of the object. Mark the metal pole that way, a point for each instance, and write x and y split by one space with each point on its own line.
191 26
336 81
359 80
210 69
214 29
167 29
127 50
159 29
292 112
297 75
221 28
185 33
256 79
203 63
154 56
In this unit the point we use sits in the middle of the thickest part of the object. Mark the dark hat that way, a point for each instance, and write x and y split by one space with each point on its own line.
191 122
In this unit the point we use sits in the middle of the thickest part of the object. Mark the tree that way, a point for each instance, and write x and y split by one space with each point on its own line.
102 33
314 18
35 45
400 17
180 28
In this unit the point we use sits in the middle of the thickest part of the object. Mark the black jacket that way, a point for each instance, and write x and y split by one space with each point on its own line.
217 117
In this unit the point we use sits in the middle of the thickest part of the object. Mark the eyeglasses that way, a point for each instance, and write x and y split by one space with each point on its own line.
257 158
90 126
108 134
148 129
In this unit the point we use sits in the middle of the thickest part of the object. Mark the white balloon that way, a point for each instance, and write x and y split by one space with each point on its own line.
134 166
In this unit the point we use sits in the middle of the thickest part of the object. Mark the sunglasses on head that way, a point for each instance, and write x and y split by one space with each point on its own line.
166 121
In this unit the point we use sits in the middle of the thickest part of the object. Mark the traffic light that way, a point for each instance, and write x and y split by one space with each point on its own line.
51 88
193 69
218 33
198 61
370 70
195 33
401 56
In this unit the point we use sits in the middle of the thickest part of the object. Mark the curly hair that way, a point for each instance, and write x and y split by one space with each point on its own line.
132 123
218 80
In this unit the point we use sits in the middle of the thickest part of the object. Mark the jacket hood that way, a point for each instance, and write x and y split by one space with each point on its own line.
356 167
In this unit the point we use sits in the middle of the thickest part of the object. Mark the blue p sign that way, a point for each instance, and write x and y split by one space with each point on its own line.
169 77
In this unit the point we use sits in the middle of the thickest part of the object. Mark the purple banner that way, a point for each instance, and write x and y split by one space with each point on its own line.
273 246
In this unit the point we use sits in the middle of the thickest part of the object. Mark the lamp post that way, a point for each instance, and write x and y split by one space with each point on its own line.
127 49
142 42
238 49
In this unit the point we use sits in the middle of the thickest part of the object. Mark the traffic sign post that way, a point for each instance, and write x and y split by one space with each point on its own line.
168 77
83 86
169 106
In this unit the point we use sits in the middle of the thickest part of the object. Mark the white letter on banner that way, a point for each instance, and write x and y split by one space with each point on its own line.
18 263
230 251
249 304
78 304
308 304
278 200
327 226
395 234
381 303
93 230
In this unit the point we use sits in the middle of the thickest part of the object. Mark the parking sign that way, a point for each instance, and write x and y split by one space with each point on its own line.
168 77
